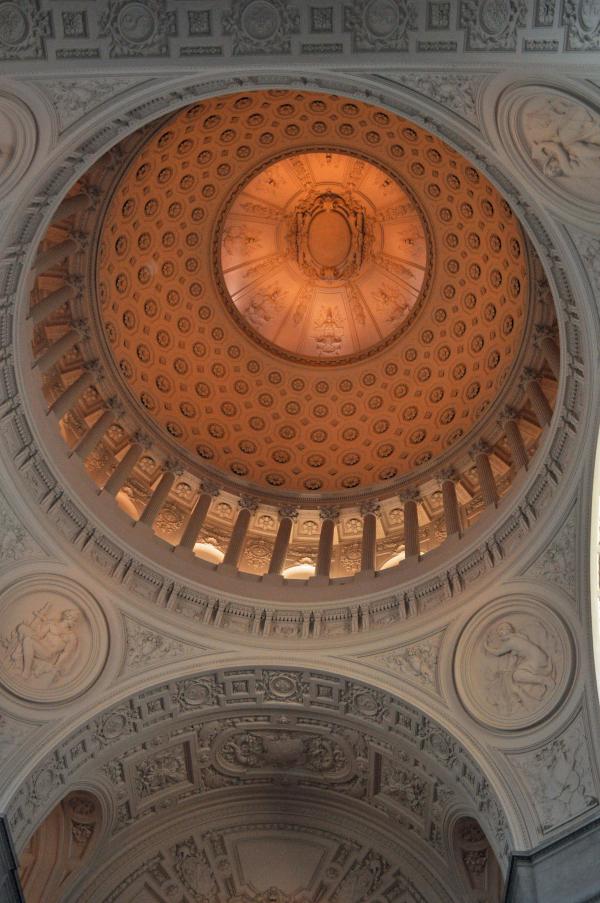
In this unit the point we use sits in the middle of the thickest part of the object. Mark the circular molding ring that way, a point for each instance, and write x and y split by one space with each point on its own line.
514 663
53 640
19 141
554 135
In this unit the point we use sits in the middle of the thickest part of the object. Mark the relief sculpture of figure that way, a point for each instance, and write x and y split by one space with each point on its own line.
45 643
529 672
565 139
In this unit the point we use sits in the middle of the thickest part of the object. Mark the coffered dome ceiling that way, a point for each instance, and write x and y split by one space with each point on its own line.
309 294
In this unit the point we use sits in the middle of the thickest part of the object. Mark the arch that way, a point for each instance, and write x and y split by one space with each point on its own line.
61 846
269 848
476 863
211 730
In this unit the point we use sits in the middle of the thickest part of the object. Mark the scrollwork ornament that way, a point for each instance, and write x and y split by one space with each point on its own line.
138 27
380 24
261 26
23 29
582 21
514 664
492 24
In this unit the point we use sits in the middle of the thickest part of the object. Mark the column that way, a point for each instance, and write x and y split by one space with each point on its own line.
329 516
451 513
121 473
549 348
481 455
238 535
54 353
412 541
159 496
54 301
287 516
208 492
51 257
88 443
79 203
68 398
514 438
539 402
369 511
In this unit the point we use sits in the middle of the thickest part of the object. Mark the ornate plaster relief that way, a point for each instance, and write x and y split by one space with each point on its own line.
554 133
514 663
53 639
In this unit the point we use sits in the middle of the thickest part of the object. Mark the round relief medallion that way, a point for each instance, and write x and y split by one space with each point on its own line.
136 23
53 639
557 137
513 664
19 140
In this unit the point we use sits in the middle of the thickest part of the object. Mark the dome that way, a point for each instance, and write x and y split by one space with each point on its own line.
299 306
308 308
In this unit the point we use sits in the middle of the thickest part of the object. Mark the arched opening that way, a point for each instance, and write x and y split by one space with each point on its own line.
371 773
61 846
476 863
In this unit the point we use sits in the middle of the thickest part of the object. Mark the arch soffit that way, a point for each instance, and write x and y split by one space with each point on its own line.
314 815
110 731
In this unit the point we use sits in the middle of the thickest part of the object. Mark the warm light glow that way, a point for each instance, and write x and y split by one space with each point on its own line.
301 571
208 552
125 503
393 561
323 255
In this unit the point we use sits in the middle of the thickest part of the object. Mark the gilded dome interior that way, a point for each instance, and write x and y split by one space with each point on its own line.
236 210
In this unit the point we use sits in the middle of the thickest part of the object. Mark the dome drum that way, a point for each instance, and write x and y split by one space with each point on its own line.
187 393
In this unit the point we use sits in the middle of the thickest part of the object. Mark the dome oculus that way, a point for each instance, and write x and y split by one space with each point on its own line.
323 256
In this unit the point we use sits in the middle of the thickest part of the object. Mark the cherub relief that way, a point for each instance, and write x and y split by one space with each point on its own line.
527 672
564 138
45 643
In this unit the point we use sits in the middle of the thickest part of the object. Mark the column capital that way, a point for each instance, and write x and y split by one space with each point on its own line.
80 237
448 474
543 329
528 374
94 367
116 406
289 511
82 327
410 495
329 512
481 447
248 503
74 280
142 439
370 506
208 487
94 193
508 413
173 466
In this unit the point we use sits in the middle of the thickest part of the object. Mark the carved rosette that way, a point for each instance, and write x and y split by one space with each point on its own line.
53 639
514 664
